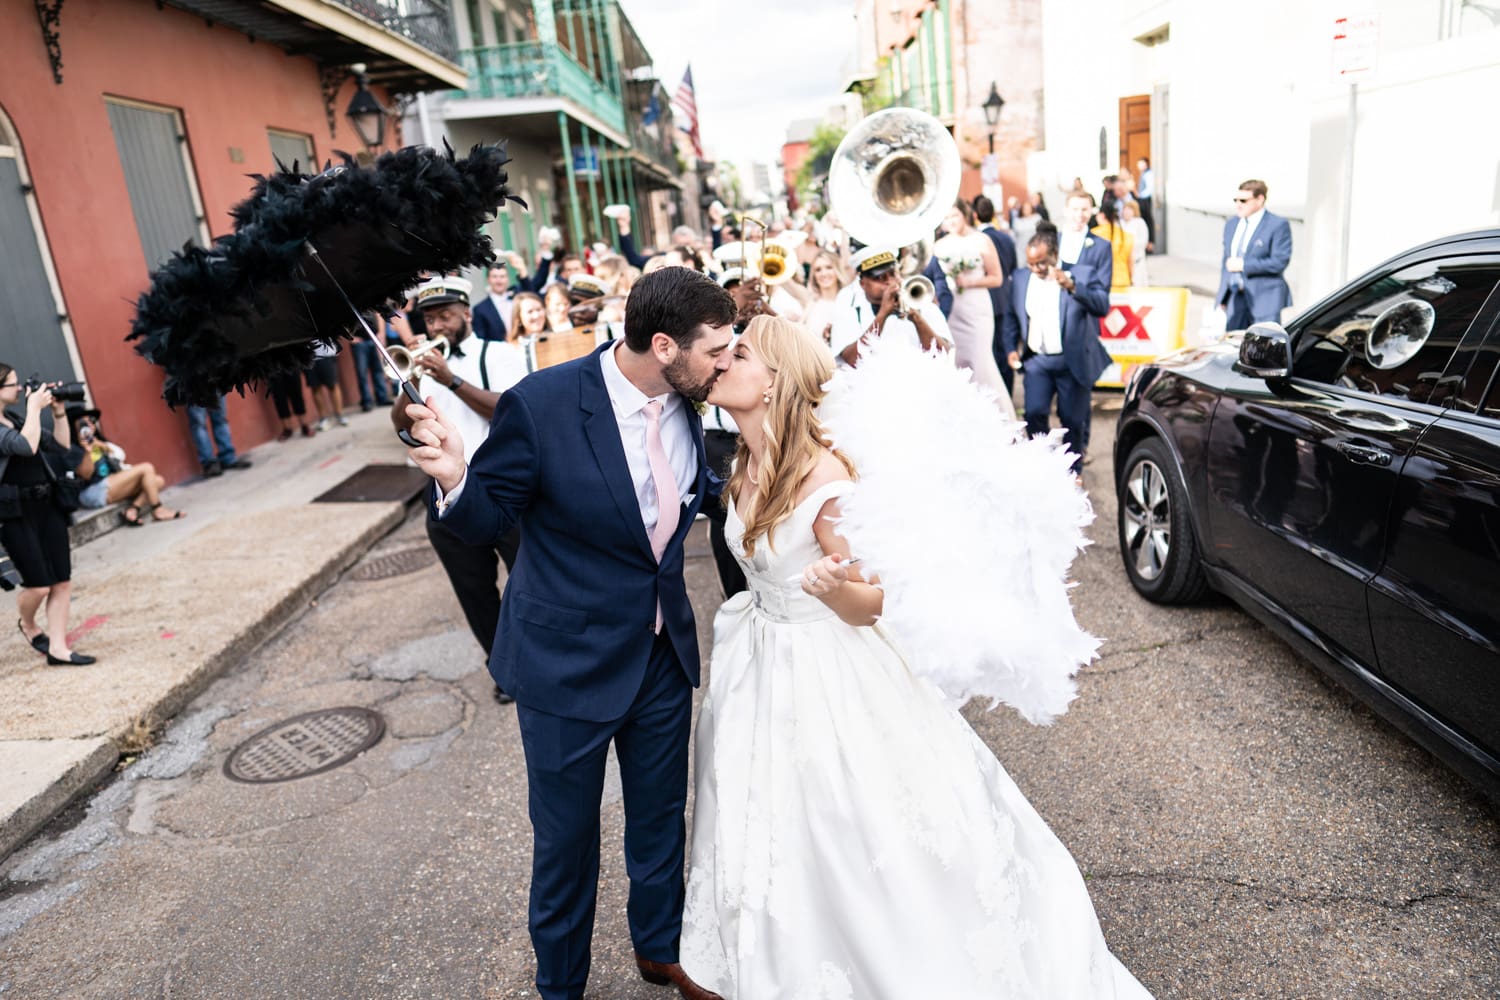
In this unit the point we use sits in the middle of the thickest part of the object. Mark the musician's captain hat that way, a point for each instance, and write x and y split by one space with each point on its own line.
442 290
872 261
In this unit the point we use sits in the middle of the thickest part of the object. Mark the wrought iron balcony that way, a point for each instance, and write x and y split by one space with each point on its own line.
535 69
427 23
657 148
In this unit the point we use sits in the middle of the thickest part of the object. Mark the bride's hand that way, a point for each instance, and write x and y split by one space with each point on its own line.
824 576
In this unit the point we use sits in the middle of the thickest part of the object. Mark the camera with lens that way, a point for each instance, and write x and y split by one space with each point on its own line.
64 392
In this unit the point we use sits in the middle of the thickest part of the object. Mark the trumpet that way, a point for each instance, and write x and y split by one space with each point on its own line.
915 290
775 262
405 358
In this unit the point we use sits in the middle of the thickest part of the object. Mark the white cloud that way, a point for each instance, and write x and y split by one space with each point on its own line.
757 65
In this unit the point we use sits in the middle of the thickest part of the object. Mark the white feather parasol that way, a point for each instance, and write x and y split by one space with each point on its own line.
970 526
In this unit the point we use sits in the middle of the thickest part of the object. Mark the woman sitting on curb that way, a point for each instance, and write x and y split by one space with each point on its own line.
111 480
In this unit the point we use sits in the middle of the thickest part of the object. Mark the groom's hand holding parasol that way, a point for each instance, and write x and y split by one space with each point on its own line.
439 449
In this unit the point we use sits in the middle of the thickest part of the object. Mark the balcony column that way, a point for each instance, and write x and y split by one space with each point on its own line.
575 220
592 153
606 161
487 25
546 21
628 162
608 25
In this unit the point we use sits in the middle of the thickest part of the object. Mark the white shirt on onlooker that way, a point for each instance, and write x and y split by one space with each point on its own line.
1044 316
1070 245
1244 232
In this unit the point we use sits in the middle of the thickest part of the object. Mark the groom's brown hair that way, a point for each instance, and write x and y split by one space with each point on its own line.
675 301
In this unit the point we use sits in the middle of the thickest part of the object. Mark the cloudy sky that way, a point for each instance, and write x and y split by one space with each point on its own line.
757 64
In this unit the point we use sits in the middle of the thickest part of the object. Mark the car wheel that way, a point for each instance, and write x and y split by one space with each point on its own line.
1157 542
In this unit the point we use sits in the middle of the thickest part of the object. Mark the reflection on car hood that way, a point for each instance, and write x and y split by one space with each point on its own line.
1218 352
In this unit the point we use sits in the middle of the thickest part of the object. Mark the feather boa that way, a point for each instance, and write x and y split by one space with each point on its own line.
970 526
254 304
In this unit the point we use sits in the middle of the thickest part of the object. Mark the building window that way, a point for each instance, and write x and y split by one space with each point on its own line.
288 148
158 168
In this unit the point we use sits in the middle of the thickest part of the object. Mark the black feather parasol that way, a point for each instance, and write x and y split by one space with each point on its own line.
307 251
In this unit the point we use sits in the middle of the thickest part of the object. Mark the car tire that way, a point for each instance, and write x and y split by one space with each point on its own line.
1157 542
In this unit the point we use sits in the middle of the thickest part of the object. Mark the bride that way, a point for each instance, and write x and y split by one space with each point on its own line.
852 836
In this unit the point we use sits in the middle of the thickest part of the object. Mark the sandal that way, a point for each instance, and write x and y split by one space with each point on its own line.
177 515
131 515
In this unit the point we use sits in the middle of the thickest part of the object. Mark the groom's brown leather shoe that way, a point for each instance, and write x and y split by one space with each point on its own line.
664 973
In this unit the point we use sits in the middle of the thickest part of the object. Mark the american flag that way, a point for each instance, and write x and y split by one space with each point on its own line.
686 107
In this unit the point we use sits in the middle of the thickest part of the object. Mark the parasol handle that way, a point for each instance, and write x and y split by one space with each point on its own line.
410 392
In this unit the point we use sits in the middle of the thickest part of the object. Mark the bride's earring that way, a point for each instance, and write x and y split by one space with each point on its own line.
766 397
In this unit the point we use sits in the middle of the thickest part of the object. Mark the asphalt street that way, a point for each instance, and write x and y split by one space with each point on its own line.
1245 827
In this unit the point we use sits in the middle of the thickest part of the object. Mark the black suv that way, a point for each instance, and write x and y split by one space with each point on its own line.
1340 480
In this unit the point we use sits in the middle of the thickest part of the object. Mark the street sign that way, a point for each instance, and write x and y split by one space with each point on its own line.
1356 44
586 163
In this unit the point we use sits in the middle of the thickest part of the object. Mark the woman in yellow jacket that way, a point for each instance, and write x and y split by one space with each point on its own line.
1121 243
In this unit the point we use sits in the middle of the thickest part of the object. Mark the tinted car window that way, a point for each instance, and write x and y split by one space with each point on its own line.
1345 345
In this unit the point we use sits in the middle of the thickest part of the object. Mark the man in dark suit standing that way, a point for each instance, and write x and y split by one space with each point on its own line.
1005 248
1257 250
491 313
601 462
1053 326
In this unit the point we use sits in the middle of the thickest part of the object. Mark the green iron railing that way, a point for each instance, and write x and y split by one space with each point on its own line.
535 69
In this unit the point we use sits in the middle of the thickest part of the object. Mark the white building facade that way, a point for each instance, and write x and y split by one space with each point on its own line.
1218 93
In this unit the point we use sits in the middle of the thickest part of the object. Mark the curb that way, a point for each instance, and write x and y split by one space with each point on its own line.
83 776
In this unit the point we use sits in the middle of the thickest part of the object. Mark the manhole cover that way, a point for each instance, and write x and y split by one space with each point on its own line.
305 745
395 564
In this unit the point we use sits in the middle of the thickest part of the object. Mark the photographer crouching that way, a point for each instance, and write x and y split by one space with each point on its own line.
38 493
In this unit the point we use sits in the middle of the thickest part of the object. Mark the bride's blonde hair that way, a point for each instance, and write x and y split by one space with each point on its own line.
801 365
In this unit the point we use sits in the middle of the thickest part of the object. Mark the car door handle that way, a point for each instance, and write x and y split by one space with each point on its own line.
1364 454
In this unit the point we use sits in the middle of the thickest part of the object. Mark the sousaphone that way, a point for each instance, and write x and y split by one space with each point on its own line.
893 178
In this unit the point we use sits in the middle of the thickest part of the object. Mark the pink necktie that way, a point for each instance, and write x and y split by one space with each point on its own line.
667 499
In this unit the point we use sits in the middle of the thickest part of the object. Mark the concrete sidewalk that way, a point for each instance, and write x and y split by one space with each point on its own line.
168 607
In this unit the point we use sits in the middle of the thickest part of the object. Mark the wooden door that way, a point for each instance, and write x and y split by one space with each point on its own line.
1135 130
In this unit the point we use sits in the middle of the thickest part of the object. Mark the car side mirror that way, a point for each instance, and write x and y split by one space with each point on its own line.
1265 352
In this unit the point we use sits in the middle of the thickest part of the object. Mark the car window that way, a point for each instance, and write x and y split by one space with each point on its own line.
1377 338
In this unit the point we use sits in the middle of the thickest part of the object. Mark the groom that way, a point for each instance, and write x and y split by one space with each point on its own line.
600 461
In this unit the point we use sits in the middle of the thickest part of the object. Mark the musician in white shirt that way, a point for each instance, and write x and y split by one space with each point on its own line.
875 310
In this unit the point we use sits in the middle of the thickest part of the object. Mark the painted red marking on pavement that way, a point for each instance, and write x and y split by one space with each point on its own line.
88 626
168 635
330 461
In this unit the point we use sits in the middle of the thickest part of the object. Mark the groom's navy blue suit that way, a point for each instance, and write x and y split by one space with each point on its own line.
576 646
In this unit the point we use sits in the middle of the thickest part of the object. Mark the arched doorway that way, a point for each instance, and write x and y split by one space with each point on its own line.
35 335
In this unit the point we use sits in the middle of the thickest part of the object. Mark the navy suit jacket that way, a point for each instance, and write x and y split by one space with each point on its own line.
941 293
488 323
1081 311
1005 248
577 619
1266 258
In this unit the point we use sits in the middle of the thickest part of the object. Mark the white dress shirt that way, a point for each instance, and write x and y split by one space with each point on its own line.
1244 233
506 365
503 305
1043 316
676 437
1070 245
853 321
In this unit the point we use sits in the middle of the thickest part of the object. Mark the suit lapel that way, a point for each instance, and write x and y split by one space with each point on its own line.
603 432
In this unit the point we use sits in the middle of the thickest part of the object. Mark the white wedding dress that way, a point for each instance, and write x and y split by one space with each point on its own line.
853 839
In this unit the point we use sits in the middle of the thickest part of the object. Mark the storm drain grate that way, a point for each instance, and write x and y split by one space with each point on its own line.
395 564
305 745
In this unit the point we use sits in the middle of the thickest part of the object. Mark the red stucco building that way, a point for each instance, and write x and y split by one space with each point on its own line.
128 127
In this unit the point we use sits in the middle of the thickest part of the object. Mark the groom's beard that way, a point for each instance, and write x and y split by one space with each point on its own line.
681 380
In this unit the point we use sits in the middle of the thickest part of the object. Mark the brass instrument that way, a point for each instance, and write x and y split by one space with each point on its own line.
776 262
405 358
892 180
916 290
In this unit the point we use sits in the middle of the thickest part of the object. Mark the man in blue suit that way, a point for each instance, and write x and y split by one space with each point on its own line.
1257 250
1053 325
1005 249
601 463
